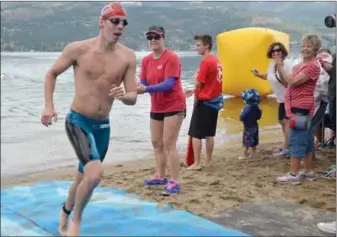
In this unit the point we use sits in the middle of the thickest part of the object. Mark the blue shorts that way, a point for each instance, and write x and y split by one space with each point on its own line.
301 142
89 137
250 137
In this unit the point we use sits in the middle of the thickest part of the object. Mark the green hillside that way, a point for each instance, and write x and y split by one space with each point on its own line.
49 26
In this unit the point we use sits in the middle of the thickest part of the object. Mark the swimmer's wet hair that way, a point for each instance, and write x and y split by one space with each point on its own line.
205 39
282 47
314 40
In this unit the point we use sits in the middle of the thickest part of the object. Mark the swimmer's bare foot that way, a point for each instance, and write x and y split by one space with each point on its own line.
63 223
74 228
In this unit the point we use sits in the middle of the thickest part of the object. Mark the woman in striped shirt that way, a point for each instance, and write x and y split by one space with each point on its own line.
300 107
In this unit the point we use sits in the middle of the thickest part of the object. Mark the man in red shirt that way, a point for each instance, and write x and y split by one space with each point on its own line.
208 100
160 76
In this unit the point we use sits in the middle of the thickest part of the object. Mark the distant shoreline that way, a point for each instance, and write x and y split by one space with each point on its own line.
293 55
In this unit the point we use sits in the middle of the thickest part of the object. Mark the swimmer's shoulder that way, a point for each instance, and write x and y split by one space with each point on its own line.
78 48
129 53
126 50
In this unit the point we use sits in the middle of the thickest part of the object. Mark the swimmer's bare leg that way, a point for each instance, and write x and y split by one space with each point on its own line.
93 172
68 205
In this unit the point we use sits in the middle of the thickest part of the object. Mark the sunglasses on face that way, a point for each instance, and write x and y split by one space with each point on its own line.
276 50
153 37
117 21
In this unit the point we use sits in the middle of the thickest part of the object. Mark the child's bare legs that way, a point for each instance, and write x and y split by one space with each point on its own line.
253 154
244 154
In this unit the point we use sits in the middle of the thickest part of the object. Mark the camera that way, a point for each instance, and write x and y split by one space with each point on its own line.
330 21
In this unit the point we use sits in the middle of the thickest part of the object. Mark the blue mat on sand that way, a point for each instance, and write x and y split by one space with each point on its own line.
33 211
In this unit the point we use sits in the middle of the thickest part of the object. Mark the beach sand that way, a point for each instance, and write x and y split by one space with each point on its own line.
226 184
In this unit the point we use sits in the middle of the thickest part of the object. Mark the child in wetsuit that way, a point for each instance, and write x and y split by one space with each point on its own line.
249 116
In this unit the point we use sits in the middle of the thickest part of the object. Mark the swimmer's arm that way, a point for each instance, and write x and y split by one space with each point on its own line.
130 82
65 60
164 86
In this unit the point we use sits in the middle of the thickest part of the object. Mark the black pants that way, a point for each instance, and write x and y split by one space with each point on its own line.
281 112
316 121
203 122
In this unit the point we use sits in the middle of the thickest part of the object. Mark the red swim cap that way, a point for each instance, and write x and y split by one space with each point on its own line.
113 9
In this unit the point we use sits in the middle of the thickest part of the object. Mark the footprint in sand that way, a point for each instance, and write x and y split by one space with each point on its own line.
215 183
194 201
312 203
237 199
316 204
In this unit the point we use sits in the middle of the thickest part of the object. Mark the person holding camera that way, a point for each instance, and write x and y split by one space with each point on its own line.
300 108
330 22
321 95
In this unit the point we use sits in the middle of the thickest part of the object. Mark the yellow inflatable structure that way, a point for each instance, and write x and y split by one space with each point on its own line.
242 50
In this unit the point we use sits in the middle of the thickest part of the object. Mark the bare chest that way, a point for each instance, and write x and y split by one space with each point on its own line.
106 69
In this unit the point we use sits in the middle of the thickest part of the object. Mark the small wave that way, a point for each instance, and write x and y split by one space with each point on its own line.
5 76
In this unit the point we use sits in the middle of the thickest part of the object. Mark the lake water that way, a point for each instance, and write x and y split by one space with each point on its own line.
27 146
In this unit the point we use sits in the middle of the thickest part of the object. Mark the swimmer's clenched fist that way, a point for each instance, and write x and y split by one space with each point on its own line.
117 92
48 115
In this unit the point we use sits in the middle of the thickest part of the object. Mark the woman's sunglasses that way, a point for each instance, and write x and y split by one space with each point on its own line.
276 50
117 21
153 37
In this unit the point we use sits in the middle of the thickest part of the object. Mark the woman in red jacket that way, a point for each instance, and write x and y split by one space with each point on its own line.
160 76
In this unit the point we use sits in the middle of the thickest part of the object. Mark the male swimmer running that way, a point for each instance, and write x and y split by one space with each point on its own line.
100 65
